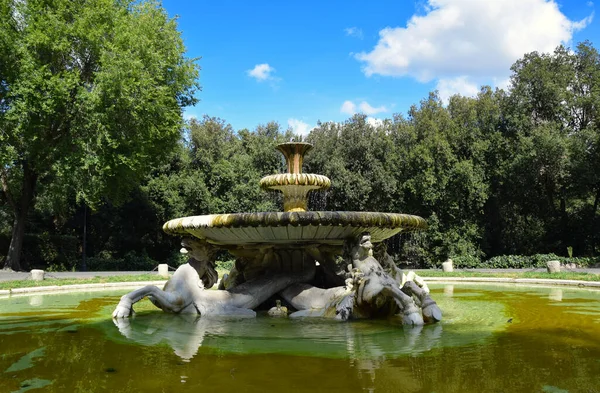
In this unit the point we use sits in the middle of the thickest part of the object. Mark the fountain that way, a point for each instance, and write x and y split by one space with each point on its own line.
320 263
497 337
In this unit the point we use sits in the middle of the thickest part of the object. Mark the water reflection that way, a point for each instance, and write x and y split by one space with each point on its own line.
449 290
186 334
556 294
36 300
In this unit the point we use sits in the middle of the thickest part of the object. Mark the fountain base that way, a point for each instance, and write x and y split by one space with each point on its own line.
355 286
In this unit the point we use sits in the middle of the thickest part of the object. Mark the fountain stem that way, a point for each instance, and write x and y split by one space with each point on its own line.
294 184
294 155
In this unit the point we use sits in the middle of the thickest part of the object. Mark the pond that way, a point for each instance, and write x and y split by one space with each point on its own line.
492 339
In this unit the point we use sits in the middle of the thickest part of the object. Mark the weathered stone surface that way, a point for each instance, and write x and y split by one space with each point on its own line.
37 275
163 270
553 266
278 310
448 266
368 291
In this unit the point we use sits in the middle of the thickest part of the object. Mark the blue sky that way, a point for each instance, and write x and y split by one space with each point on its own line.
297 62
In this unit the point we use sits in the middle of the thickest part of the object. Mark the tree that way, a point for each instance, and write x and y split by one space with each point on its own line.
551 183
91 96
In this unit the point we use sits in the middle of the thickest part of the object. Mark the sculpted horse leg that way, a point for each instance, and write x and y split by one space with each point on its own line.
431 311
171 302
178 293
241 299
317 302
175 297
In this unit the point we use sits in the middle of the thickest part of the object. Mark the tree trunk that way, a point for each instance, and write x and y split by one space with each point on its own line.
13 259
21 208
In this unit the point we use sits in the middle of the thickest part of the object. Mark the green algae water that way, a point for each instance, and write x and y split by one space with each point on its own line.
492 339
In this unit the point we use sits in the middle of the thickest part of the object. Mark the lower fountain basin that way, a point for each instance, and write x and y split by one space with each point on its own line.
330 227
68 342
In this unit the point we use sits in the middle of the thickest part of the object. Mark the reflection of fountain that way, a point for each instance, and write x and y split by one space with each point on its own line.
277 253
362 343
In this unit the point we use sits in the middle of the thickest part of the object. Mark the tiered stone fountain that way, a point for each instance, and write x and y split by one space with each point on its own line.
320 262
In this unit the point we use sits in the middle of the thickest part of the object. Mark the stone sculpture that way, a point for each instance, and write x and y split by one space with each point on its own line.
368 290
320 263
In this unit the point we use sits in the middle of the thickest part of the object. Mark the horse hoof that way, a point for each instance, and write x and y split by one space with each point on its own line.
412 319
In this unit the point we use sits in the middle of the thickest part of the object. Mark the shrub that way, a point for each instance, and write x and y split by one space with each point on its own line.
466 262
521 261
225 265
51 252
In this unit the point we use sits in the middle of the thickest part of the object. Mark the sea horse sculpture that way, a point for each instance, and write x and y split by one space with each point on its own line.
185 291
368 290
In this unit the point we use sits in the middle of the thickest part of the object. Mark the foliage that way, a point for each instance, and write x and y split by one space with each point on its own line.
513 275
522 261
508 178
225 265
51 252
90 98
131 261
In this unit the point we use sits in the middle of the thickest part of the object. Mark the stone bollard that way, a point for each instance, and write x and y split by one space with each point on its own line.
447 266
553 266
163 270
37 275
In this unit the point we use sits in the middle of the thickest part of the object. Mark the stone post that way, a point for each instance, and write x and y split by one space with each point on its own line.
553 266
37 275
447 266
163 270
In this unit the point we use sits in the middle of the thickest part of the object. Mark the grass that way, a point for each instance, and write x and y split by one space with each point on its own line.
424 273
552 276
71 281
94 280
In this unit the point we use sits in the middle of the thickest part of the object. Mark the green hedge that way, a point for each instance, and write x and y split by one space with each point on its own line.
520 261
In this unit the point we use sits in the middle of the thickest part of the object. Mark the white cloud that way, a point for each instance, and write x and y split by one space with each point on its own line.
579 25
501 83
350 108
469 37
369 110
459 85
354 32
374 122
299 127
261 72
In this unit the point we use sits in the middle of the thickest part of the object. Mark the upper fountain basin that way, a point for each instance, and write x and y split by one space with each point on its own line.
331 227
308 180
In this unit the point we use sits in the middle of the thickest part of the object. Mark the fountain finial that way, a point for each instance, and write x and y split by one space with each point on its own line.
294 154
294 184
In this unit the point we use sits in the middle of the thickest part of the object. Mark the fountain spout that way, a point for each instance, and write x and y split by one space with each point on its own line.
294 184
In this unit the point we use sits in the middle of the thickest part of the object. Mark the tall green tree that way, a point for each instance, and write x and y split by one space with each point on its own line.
551 186
91 96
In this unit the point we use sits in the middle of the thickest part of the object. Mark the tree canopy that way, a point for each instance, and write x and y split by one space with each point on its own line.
513 171
91 98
